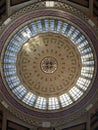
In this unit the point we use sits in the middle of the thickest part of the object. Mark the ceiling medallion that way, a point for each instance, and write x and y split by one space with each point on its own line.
49 65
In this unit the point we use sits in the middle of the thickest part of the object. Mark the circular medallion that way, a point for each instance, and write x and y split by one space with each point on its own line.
49 65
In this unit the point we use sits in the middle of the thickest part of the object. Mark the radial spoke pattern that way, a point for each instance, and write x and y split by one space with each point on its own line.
31 30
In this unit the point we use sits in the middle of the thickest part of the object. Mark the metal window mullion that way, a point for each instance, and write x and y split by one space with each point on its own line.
87 78
43 25
67 29
79 43
71 98
82 90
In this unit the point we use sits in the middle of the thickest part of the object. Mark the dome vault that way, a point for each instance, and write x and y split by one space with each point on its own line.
48 63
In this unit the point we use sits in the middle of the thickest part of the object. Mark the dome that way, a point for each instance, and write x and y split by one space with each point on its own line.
48 63
48 60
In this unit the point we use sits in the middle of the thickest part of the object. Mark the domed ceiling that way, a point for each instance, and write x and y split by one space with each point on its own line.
48 61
